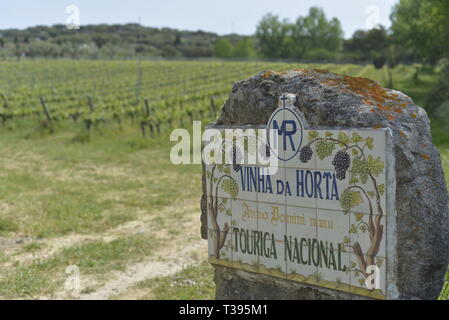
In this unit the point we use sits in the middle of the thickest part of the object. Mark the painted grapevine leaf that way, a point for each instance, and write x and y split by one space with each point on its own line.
369 143
343 137
356 199
227 170
328 134
356 138
313 135
376 166
358 217
231 187
353 229
379 262
381 189
360 169
363 228
353 180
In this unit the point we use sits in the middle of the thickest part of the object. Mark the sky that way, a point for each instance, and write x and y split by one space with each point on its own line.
222 17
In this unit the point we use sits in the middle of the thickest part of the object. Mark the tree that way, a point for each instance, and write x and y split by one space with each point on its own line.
369 45
223 48
272 34
316 32
244 49
422 25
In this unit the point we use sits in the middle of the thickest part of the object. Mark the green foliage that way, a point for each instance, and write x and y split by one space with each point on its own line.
223 48
371 45
272 35
438 99
314 32
7 225
107 41
244 49
319 54
422 26
310 37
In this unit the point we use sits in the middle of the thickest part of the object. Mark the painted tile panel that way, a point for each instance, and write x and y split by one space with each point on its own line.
309 221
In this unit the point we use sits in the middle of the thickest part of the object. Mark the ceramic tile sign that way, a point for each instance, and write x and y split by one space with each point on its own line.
320 218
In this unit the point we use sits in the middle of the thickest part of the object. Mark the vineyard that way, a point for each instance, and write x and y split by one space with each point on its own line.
153 95
114 206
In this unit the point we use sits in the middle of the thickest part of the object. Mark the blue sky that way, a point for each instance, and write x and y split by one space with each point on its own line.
222 17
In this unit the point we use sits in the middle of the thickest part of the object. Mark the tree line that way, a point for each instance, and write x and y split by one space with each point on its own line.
419 33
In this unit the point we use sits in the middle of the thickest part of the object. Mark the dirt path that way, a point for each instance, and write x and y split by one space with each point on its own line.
183 250
173 263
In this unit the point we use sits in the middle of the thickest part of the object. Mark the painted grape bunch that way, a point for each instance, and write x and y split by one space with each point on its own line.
360 168
346 201
341 163
306 154
324 149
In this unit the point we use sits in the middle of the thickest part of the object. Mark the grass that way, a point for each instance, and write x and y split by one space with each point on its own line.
32 247
41 277
7 225
57 187
53 188
193 283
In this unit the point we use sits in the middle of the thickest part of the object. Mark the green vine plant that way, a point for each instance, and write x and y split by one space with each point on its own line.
352 157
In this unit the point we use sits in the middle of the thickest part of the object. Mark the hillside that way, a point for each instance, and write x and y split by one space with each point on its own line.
108 41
